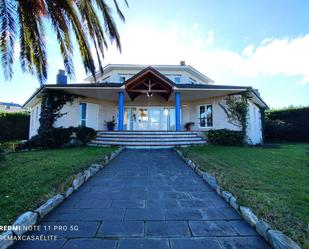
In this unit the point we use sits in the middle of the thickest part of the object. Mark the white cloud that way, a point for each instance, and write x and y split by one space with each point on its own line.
248 51
210 37
144 44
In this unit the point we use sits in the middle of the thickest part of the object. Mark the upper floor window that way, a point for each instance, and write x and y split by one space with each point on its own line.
177 79
192 81
122 78
106 79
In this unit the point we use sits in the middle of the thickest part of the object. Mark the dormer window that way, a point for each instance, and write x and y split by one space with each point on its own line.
177 79
122 78
192 81
106 79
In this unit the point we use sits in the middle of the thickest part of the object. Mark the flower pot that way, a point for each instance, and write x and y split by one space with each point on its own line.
110 127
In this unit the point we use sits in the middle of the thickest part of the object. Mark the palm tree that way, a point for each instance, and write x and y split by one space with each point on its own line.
25 20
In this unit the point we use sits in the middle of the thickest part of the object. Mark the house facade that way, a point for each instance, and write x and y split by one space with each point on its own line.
11 107
150 98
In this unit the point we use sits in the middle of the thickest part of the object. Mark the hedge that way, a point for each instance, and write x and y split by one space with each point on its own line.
226 137
14 126
290 124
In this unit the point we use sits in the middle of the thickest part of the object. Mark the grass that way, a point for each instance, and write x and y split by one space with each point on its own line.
273 182
29 178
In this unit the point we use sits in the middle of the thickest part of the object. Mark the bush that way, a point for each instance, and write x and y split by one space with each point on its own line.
226 137
59 137
53 138
290 124
84 134
14 126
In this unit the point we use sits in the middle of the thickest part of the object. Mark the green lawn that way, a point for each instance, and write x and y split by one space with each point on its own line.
273 182
29 178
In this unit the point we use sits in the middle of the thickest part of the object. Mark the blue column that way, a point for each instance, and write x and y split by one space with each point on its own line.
120 110
177 111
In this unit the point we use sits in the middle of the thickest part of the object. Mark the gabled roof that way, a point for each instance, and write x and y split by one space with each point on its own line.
149 81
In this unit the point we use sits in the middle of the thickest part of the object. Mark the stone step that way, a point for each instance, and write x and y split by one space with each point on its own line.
143 143
146 140
147 135
145 132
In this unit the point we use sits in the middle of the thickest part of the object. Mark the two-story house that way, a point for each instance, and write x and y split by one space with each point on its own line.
150 98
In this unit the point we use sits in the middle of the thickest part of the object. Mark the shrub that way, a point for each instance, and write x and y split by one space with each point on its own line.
84 134
53 138
14 126
58 138
226 137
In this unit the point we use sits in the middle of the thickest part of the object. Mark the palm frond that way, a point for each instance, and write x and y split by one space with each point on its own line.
7 36
80 17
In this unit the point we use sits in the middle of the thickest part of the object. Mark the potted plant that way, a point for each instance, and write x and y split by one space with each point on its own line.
110 124
189 125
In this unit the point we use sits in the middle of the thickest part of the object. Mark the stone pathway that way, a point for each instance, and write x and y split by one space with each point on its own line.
146 199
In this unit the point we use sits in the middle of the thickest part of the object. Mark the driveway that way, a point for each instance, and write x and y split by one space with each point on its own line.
145 199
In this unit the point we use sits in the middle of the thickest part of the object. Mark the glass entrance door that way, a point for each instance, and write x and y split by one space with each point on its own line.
149 118
142 119
154 121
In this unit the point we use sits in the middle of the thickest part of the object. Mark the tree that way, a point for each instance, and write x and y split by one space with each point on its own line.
28 18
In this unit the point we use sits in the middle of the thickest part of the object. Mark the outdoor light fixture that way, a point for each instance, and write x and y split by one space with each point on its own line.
149 94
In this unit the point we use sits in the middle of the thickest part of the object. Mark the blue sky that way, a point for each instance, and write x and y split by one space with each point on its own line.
264 44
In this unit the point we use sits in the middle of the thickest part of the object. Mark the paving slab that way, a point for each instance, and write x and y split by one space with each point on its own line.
211 228
35 244
251 242
167 229
195 243
90 243
143 244
146 199
121 229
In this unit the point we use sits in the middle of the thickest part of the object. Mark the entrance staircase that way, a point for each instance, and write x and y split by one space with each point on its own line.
147 139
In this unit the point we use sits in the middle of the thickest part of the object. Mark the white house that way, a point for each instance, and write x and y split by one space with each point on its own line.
150 98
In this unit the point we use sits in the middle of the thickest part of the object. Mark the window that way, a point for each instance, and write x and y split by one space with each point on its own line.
122 79
177 79
83 110
192 81
205 116
106 79
37 113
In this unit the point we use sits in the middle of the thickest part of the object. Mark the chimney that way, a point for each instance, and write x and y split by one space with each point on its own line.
182 63
62 79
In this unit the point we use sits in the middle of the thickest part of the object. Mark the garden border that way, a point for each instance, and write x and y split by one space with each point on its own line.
275 238
31 218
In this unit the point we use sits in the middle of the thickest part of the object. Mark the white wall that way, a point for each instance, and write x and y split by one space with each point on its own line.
220 119
71 118
35 112
254 129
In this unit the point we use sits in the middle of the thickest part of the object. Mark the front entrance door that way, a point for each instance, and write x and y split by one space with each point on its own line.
149 118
